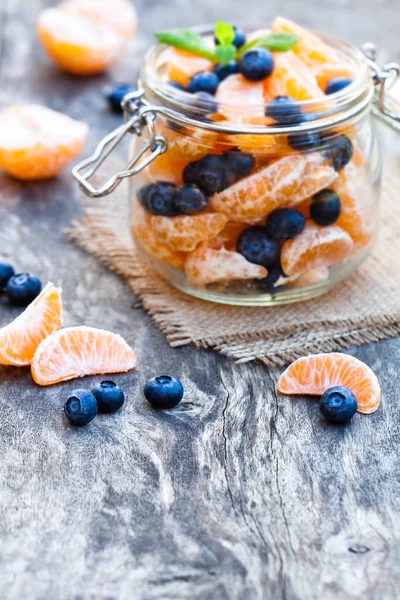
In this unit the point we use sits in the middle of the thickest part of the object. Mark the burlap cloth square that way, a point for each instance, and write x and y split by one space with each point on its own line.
365 308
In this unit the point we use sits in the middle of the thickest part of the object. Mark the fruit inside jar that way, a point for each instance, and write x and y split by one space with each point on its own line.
268 190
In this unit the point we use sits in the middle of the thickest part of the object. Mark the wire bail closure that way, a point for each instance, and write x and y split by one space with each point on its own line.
384 78
137 117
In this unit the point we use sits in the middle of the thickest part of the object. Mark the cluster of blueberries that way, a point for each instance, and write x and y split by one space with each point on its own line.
82 406
20 289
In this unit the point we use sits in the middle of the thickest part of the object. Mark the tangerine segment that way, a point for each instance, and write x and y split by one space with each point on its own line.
325 72
165 168
265 146
310 49
227 238
188 148
240 99
315 247
77 44
79 351
208 265
278 185
291 77
317 373
36 142
146 237
120 15
181 65
186 231
19 339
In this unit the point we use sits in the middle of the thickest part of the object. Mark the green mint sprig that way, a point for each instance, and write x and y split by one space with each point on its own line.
190 41
274 42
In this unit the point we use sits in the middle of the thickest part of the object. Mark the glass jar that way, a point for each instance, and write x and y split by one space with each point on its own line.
250 166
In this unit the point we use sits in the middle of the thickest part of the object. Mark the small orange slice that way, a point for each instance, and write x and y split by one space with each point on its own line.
79 351
239 99
315 247
185 232
208 265
19 339
36 142
317 373
181 65
291 77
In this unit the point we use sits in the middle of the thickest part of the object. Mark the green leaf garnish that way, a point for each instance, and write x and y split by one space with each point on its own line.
275 42
224 33
190 41
225 54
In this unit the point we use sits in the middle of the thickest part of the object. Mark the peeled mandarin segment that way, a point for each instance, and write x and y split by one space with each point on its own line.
315 179
146 237
277 186
310 49
208 265
165 168
262 146
36 142
239 99
325 72
187 148
182 65
307 278
120 15
315 247
291 77
77 44
227 238
19 339
316 373
79 351
186 231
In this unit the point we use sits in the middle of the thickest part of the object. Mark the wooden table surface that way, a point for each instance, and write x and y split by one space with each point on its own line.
236 494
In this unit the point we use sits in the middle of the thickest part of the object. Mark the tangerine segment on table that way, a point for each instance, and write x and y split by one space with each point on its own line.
145 235
79 351
291 77
119 15
208 265
186 231
19 339
316 373
36 142
181 65
315 247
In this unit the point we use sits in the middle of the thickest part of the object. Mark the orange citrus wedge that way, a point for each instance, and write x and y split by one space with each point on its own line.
240 99
19 339
184 233
79 351
165 168
36 142
316 373
291 77
181 65
208 265
186 147
325 72
315 247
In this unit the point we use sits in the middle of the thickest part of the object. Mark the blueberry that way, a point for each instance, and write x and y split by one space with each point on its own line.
22 289
274 273
337 84
325 207
338 404
176 85
189 174
223 71
240 164
339 151
204 81
6 272
305 141
212 174
204 101
258 247
116 94
285 223
238 40
81 407
256 64
163 391
159 198
191 200
284 110
109 397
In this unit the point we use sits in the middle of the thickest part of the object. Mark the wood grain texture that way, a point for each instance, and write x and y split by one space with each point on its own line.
236 494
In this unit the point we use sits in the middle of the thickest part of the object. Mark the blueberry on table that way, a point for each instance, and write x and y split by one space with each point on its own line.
163 391
240 164
338 404
285 223
116 94
159 198
191 200
258 247
325 207
6 272
305 141
81 407
176 85
284 110
204 81
238 40
256 64
340 151
109 397
212 174
337 84
23 288
223 71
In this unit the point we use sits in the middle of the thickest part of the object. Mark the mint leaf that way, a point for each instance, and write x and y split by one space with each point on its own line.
275 42
190 41
225 54
224 33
